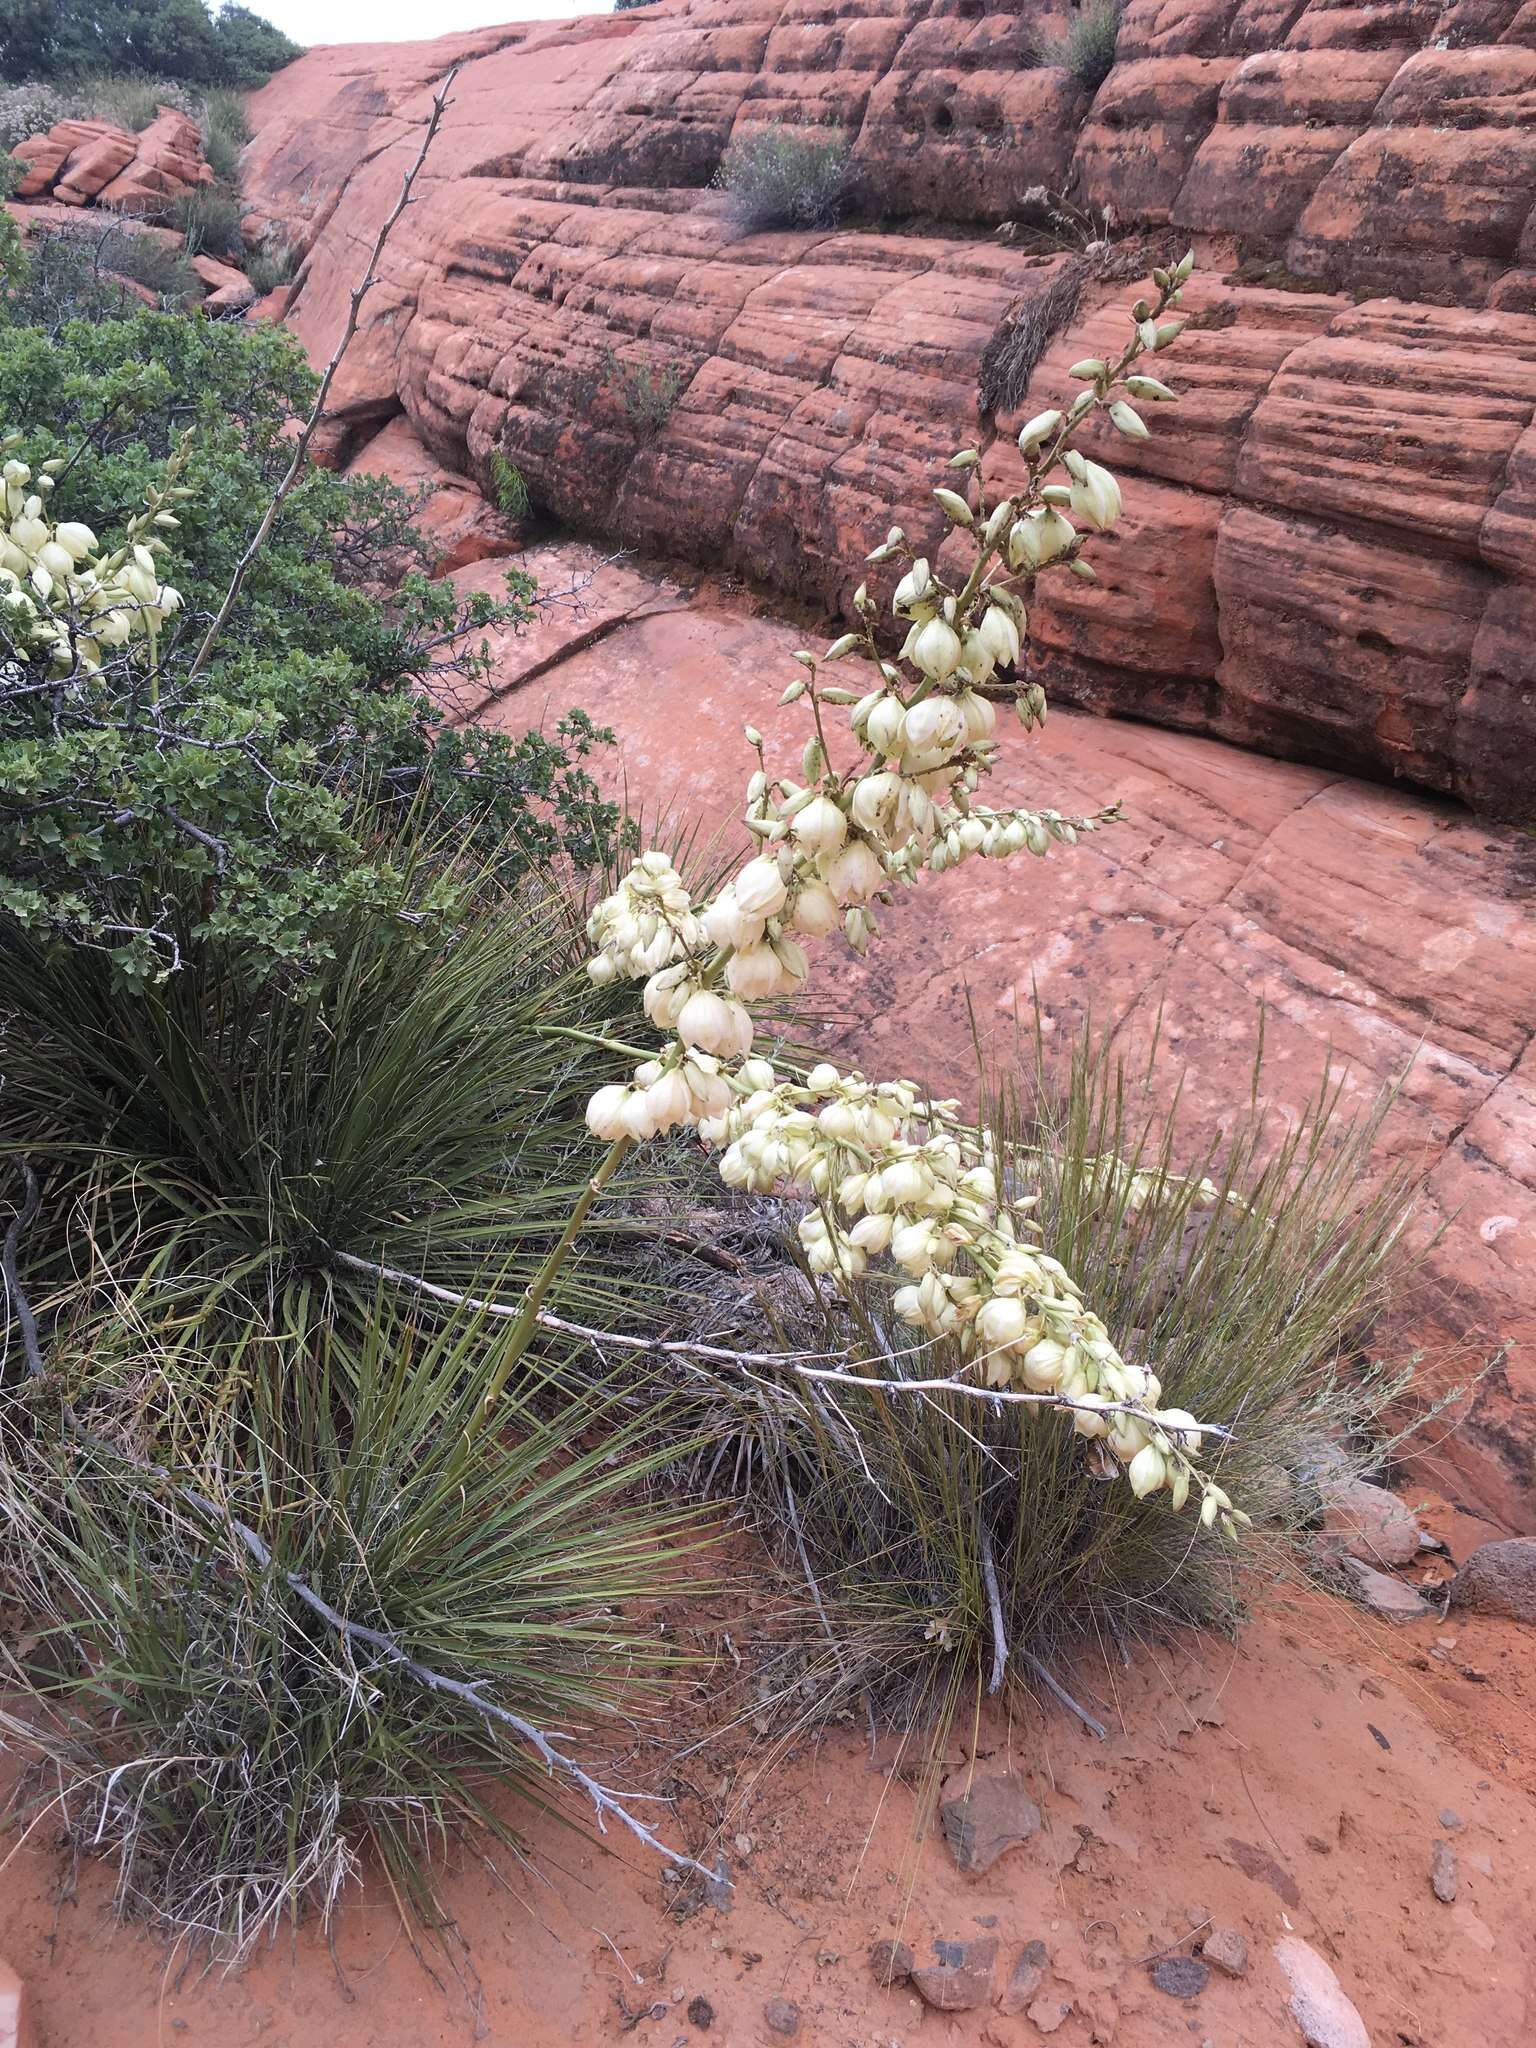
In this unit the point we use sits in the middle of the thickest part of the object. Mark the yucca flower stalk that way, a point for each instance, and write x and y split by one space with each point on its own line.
890 1170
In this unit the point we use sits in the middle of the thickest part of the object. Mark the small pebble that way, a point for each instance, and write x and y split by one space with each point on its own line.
783 2018
1181 1976
1442 1872
1450 1819
1226 1948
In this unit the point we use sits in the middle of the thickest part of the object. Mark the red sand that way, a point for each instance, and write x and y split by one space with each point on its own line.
1292 1782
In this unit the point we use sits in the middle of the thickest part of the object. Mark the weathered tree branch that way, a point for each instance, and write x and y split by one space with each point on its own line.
317 410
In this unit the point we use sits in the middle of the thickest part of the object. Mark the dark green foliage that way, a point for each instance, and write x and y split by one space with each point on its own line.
779 177
169 39
311 719
509 488
269 266
209 218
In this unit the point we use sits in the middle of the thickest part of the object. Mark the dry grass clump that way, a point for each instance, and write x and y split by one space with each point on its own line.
952 1543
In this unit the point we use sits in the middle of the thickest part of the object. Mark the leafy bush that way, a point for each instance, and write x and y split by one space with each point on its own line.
66 40
225 133
239 798
272 264
649 397
1087 49
779 177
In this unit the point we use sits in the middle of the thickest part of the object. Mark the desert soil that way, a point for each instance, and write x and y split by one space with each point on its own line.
1293 1782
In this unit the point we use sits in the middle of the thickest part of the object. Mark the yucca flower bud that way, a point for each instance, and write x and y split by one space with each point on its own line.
714 1024
754 973
956 508
854 873
1034 433
605 1112
886 724
1039 537
1147 1471
1096 497
1088 370
814 910
935 650
999 635
760 888
821 827
913 588
1129 421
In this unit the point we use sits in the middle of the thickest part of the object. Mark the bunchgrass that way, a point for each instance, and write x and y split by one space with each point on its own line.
235 1755
1087 49
894 1509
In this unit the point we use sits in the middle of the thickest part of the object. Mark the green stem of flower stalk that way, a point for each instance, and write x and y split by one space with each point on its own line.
538 1288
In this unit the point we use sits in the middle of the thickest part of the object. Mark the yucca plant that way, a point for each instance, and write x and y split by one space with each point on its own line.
203 1149
236 1748
953 1544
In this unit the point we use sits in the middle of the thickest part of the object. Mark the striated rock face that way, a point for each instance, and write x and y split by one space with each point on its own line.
91 163
1333 556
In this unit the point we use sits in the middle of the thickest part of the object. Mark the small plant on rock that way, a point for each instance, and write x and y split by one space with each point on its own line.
649 397
509 489
781 177
1087 49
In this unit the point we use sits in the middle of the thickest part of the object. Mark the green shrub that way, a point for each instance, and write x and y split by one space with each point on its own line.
182 40
208 217
225 133
274 263
649 397
27 110
778 177
1087 49
508 488
1250 1309
312 717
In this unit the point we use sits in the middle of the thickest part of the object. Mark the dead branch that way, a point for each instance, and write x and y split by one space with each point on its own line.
301 446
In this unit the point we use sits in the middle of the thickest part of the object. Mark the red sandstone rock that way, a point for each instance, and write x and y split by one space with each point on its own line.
1285 117
1342 607
93 166
87 162
1148 120
455 520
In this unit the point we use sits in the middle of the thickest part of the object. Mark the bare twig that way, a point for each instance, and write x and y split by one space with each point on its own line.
1055 1686
26 1322
301 446
604 1801
994 1602
768 1361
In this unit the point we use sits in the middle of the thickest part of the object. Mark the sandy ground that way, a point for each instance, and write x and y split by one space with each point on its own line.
1295 1781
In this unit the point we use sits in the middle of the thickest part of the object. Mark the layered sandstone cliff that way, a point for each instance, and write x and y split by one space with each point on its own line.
1332 557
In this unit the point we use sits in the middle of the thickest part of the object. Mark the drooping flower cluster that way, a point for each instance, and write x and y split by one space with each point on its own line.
889 1173
63 599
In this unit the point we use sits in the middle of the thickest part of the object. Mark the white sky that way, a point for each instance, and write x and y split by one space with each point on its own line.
400 21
